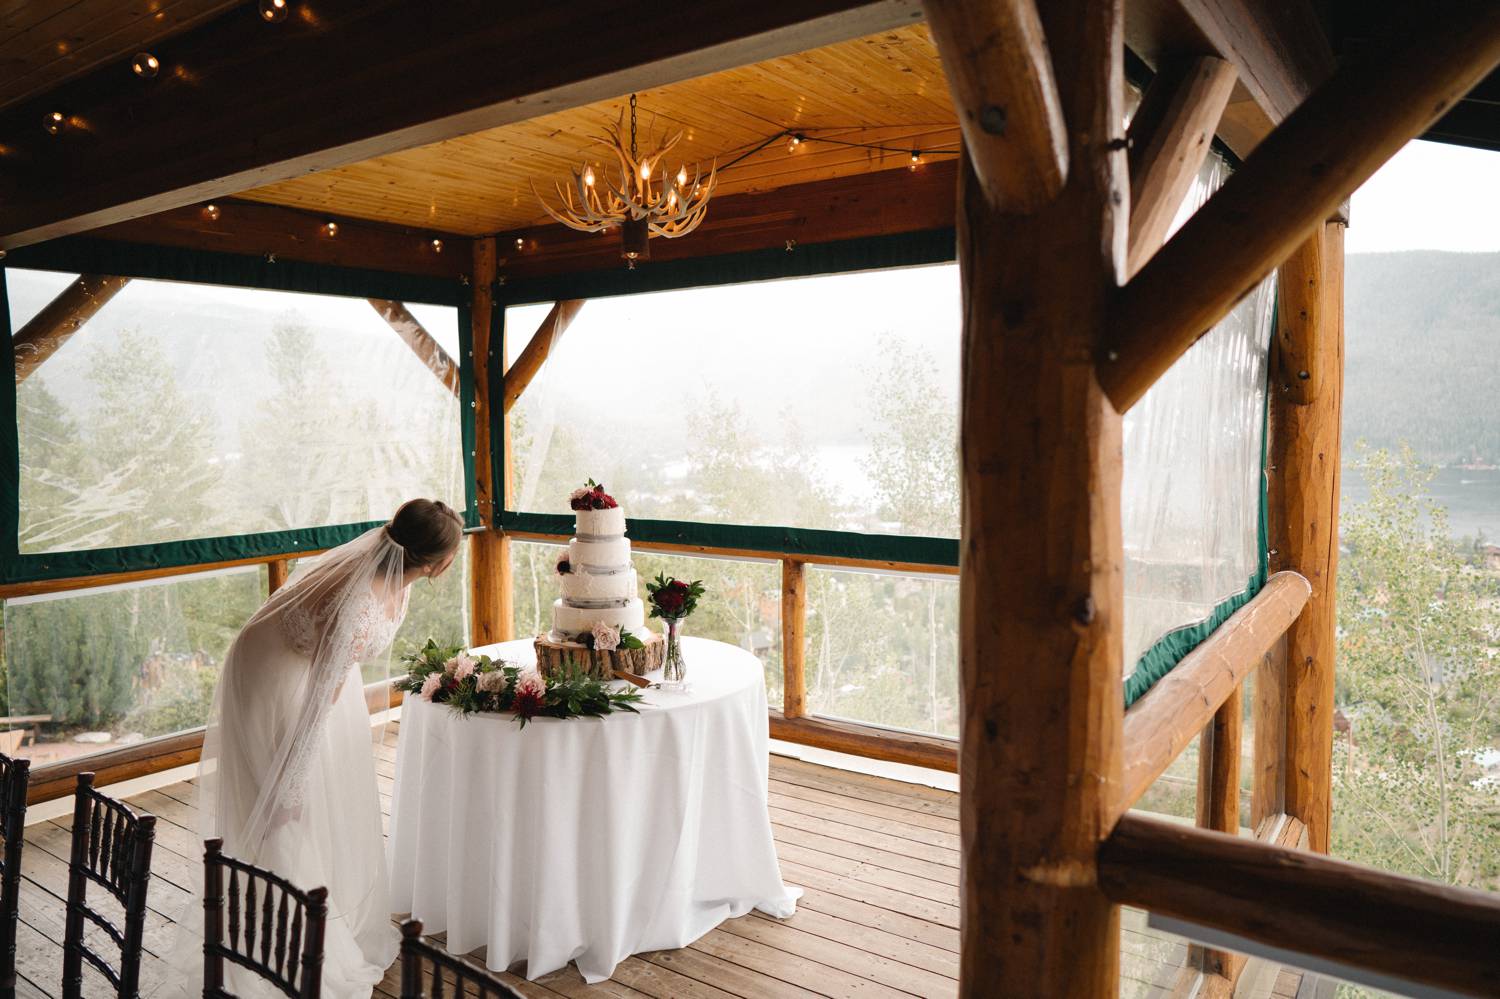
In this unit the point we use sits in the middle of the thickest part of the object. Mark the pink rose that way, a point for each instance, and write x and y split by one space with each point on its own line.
431 685
460 666
606 639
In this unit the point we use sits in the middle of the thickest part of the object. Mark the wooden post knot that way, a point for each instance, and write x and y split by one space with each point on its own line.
1063 874
992 119
1083 610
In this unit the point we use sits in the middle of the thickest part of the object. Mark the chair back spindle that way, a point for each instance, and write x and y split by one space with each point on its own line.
111 848
273 928
430 972
14 777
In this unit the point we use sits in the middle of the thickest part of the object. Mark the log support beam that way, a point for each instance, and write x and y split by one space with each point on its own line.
1040 624
1303 495
415 335
538 349
1298 176
1160 725
60 318
1000 73
491 597
1170 137
1300 901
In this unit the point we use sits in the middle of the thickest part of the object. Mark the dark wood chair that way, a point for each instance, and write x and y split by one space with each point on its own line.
13 783
274 929
112 848
423 964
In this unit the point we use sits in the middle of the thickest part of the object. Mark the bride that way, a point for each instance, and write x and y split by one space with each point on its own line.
288 774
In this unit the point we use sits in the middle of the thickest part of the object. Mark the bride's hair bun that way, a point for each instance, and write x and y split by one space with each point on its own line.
428 531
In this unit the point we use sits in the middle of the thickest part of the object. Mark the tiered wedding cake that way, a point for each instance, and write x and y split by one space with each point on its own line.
598 583
598 624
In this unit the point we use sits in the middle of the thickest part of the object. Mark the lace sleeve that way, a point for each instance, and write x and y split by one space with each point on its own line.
334 654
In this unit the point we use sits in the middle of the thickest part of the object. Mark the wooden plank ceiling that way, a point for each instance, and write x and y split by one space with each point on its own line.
45 44
885 90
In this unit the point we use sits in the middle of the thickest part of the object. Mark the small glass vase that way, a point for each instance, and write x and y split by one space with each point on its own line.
673 667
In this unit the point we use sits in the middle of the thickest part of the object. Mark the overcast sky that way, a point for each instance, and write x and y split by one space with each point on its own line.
1430 196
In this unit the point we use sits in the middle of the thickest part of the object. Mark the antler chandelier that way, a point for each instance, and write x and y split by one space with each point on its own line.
643 203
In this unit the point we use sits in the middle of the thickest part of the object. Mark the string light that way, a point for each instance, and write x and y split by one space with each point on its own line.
916 160
53 123
792 142
272 11
211 212
437 246
520 243
145 65
332 228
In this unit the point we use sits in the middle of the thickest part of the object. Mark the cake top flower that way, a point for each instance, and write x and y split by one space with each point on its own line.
592 497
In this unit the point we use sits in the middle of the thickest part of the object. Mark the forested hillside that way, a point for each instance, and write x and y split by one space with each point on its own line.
1423 363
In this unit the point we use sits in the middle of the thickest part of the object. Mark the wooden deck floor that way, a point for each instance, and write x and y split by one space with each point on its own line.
877 859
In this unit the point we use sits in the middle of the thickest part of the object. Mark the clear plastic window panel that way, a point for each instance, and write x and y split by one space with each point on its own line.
183 411
882 649
91 670
823 402
1193 469
741 604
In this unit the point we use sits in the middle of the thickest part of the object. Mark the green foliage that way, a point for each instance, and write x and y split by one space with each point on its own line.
670 597
492 687
182 701
1419 678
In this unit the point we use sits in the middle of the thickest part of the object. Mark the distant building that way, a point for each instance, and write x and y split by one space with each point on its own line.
1489 556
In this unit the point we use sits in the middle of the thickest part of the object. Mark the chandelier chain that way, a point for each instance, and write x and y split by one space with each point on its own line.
632 127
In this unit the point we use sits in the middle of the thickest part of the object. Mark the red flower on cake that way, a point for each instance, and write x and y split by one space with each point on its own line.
591 497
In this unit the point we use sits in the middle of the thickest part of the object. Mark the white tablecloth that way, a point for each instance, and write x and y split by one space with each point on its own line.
589 839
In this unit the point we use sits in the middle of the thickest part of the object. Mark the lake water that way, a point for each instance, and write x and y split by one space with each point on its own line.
1471 496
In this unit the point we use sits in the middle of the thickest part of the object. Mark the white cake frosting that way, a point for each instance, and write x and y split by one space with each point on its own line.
601 585
600 523
585 588
574 621
599 556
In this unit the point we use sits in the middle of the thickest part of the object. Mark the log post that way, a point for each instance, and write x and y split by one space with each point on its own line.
422 343
276 573
1304 506
1040 637
491 611
1268 698
793 638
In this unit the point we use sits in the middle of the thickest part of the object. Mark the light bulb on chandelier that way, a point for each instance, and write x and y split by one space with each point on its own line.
640 205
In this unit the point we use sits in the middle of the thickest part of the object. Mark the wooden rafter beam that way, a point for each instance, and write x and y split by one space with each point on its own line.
1301 901
1278 51
1297 177
1170 137
1000 73
260 230
538 348
60 318
422 343
1159 726
241 104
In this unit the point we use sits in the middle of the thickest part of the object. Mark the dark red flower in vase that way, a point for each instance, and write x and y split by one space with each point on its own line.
671 600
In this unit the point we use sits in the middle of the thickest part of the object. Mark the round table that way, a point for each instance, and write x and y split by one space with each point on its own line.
588 839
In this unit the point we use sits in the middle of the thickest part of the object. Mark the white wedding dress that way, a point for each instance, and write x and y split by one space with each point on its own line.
287 778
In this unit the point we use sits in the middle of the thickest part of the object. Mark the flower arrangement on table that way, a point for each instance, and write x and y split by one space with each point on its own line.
672 600
467 684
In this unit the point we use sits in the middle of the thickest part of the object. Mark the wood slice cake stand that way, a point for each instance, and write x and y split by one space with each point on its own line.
556 659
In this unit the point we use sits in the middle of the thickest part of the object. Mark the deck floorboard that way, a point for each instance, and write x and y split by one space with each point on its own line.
877 858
